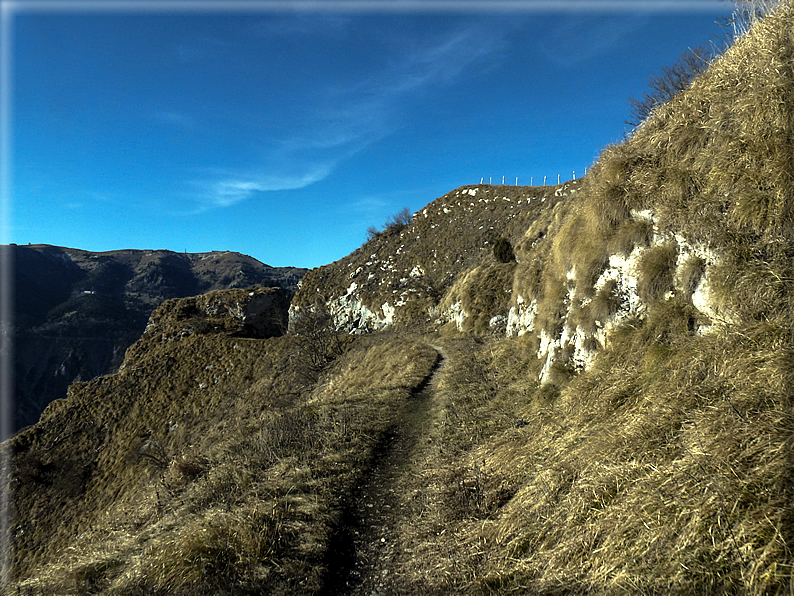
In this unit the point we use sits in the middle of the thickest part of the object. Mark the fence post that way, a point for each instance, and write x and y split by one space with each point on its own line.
544 180
516 180
558 178
532 181
481 179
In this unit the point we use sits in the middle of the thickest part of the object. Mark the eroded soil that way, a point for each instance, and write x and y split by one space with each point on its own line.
364 555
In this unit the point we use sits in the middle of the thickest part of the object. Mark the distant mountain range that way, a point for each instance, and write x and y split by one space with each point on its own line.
76 311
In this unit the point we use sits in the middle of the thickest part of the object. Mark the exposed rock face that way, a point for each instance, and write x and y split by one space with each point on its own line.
257 313
620 282
76 312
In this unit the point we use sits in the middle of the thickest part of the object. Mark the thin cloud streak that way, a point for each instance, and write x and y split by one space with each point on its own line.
237 187
352 119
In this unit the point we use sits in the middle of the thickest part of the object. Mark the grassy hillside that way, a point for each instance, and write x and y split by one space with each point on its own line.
173 478
625 429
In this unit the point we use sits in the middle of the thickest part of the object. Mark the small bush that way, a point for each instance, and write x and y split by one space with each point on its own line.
318 336
399 220
503 251
672 79
394 223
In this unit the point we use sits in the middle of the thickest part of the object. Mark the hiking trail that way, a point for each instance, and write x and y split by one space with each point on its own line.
363 552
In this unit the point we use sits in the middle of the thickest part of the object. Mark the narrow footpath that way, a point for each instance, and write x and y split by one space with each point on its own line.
364 552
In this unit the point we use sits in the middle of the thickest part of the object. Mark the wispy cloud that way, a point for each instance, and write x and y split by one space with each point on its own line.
233 187
347 118
445 59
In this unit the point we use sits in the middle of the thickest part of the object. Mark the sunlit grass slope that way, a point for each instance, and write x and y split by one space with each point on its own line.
665 465
210 464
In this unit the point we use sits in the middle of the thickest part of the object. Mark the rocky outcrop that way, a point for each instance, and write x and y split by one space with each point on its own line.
620 284
257 313
77 312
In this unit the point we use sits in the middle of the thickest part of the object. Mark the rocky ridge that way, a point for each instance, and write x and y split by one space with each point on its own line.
76 311
404 275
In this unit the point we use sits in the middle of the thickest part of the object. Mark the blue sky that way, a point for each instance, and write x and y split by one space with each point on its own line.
283 130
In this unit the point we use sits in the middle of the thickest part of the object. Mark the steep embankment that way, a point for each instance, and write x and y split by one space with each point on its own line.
414 274
76 311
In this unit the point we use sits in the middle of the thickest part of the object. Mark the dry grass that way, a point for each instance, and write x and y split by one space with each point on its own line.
665 468
644 475
657 272
232 488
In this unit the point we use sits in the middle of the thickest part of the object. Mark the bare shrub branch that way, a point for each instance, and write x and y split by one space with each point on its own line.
394 223
318 336
670 81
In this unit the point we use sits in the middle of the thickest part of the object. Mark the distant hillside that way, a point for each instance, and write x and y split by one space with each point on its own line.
610 413
76 311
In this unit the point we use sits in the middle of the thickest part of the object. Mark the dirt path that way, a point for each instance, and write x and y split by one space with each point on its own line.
364 552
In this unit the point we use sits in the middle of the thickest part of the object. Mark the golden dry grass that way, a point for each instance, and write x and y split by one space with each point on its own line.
665 468
218 479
